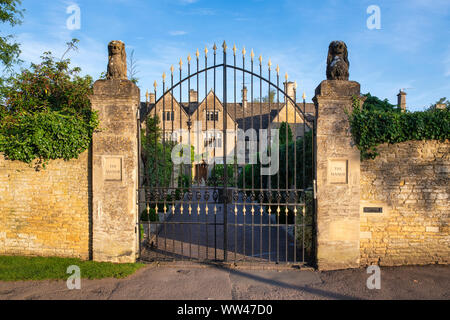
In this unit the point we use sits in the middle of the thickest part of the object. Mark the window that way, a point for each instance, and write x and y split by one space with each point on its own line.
213 140
171 136
212 116
168 116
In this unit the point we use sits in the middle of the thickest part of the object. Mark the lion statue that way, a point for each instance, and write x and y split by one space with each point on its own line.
117 61
337 62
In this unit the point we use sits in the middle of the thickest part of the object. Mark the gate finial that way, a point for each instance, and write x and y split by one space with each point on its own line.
224 46
244 52
206 52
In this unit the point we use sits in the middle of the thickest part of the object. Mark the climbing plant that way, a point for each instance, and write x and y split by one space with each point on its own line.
45 112
371 127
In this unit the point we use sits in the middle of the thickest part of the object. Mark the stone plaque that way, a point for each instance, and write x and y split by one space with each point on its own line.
338 171
113 169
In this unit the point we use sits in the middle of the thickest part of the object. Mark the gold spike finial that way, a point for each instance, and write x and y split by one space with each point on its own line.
286 76
197 54
234 49
206 51
224 46
260 59
215 47
304 95
164 77
244 52
172 69
270 63
155 85
252 54
181 63
278 69
189 58
147 96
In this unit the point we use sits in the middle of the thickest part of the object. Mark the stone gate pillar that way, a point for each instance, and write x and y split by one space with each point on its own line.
115 162
338 171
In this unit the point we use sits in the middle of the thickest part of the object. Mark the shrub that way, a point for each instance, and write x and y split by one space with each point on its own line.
371 128
45 112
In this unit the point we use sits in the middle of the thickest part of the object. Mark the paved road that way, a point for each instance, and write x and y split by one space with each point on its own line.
206 282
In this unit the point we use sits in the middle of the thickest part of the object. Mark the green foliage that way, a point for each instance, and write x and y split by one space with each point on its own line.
217 175
11 14
149 215
282 133
371 128
45 112
306 235
374 103
38 268
157 156
295 157
285 177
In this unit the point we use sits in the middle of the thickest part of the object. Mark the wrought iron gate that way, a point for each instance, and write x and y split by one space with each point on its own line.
239 213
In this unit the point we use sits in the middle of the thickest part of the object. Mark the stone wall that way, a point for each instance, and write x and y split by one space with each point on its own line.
46 212
410 183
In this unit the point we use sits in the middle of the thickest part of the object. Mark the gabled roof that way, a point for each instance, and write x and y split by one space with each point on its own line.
255 115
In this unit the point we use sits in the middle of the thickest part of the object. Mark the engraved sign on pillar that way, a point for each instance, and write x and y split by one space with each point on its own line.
113 169
338 171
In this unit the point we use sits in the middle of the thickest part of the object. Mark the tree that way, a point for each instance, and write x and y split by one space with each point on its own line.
158 166
373 103
9 50
45 112
133 68
266 99
282 133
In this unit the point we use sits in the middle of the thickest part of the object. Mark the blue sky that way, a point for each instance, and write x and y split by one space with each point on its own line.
411 50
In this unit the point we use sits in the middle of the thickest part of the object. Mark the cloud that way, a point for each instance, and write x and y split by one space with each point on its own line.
178 33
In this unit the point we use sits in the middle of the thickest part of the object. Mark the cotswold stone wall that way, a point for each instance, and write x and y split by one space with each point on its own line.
46 212
410 182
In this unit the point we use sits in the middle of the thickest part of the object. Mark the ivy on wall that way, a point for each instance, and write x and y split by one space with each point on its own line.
45 112
372 127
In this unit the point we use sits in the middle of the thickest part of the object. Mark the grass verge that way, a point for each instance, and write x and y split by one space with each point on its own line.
48 268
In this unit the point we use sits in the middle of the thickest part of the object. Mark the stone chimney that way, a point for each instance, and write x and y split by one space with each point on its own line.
152 98
244 97
402 100
193 96
441 106
289 88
